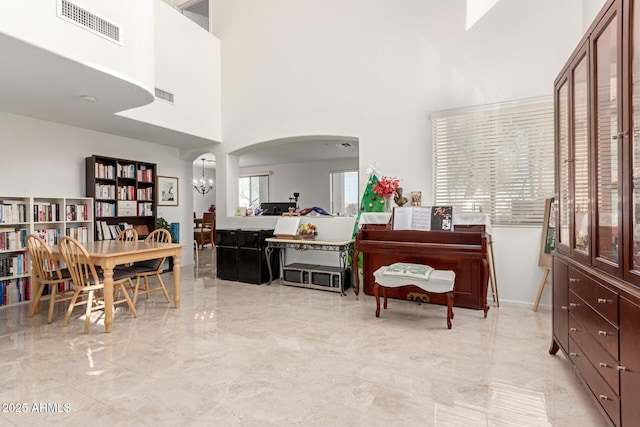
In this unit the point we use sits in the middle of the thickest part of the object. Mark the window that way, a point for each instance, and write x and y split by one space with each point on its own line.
344 193
254 189
498 159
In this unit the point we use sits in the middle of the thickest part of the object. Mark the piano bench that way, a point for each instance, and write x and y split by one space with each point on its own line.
439 282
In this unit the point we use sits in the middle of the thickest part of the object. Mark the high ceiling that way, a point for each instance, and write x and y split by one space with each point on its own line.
46 86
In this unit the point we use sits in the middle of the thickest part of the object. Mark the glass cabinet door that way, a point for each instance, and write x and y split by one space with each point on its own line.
634 137
562 107
581 156
607 67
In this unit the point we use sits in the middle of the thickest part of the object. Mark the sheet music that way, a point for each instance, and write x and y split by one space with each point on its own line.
412 218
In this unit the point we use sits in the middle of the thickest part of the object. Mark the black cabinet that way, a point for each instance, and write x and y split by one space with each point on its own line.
227 254
240 255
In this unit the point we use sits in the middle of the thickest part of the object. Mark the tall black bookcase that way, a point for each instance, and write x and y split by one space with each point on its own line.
124 191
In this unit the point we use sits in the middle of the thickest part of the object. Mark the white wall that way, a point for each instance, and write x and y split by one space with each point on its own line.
376 70
41 158
132 60
310 179
187 64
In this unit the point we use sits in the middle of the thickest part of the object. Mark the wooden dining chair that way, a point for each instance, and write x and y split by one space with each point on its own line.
152 268
47 274
88 281
205 232
128 235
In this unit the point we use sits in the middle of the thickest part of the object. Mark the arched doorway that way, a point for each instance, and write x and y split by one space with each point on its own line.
204 183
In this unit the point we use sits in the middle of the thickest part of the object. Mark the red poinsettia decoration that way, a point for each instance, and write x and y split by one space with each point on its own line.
386 186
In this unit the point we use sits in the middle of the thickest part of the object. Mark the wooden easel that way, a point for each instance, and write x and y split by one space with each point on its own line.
493 280
546 245
546 280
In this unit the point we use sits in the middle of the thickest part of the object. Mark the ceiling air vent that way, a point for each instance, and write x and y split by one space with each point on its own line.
164 95
88 21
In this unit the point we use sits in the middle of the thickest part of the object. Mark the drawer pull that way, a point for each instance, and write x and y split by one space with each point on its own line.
563 307
602 333
573 329
573 354
573 304
603 365
603 397
573 280
602 301
621 368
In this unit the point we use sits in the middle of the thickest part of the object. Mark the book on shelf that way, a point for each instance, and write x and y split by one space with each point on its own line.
428 218
12 239
106 233
46 211
15 290
13 211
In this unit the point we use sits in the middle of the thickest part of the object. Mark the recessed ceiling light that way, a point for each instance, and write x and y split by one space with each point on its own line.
88 98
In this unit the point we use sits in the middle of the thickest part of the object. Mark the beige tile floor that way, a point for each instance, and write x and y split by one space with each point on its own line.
240 354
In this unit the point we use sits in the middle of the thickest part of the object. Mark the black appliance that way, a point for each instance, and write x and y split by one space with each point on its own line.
241 256
276 208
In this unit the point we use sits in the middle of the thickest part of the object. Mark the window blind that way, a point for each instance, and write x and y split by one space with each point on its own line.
497 158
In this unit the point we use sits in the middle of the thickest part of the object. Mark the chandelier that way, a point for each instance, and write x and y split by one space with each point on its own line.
204 184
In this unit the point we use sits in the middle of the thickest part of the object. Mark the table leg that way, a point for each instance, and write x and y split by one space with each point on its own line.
343 265
35 307
176 280
108 297
357 273
268 251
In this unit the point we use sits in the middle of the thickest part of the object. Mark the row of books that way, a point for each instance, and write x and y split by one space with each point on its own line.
145 175
105 209
81 233
105 191
13 212
15 290
78 212
126 171
126 192
12 239
106 231
145 209
105 171
14 265
46 212
51 236
145 193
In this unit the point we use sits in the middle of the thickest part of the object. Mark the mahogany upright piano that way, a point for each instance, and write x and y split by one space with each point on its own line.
464 251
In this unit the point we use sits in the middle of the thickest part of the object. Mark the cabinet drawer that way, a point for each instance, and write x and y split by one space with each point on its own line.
599 327
600 358
126 204
597 296
607 398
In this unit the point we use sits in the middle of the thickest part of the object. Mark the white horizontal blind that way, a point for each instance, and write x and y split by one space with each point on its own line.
496 158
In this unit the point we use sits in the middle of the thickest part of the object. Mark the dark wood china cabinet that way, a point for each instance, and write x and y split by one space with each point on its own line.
596 265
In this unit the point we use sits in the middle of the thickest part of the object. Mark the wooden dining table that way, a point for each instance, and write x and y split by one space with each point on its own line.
109 253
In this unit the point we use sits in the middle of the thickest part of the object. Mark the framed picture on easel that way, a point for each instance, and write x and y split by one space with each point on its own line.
547 245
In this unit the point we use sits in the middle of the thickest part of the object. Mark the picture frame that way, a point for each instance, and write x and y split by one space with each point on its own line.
416 198
167 191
